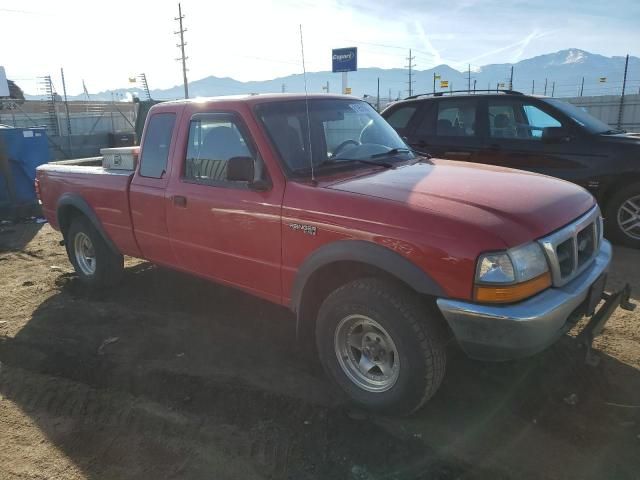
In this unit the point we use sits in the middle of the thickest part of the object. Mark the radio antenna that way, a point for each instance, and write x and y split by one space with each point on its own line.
306 102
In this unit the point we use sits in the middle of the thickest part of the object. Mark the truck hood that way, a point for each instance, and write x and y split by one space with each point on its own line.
516 206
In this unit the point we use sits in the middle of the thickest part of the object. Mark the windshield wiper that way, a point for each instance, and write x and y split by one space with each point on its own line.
336 161
393 151
613 131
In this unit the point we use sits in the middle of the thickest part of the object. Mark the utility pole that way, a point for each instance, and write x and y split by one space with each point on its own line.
325 88
410 59
545 87
511 79
474 85
553 88
469 79
533 86
624 86
183 58
434 82
582 87
284 88
378 97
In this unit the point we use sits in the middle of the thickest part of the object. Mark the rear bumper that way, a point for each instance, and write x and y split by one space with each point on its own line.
503 332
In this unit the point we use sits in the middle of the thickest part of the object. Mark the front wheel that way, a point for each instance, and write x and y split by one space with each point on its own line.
96 264
381 346
623 216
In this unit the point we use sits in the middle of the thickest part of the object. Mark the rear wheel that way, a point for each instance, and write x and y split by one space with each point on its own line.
623 216
381 346
96 264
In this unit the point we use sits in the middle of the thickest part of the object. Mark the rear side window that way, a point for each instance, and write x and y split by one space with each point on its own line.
157 141
399 118
456 118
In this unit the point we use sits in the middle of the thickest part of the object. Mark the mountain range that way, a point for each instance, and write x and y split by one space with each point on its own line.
563 72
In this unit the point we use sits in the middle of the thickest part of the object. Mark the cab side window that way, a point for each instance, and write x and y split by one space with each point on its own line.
213 140
157 141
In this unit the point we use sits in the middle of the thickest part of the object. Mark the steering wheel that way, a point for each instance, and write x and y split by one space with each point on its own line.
344 144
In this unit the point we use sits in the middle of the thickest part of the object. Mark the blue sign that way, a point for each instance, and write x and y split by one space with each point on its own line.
345 59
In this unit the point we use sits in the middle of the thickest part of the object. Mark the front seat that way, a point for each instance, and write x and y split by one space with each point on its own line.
219 145
503 127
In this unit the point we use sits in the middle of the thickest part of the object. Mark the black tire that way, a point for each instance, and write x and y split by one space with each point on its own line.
109 265
613 229
418 334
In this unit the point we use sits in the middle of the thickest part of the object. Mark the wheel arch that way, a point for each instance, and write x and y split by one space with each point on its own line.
343 261
72 205
623 181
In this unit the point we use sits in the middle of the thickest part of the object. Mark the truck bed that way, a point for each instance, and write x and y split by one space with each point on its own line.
105 191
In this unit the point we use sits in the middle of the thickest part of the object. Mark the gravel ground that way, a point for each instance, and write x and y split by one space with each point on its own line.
168 376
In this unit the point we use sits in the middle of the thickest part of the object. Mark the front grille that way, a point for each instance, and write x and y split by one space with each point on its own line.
572 248
586 242
565 255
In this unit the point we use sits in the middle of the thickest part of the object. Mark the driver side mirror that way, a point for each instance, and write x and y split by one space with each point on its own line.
555 135
242 169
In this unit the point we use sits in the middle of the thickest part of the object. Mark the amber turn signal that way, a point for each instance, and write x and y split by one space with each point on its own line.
511 293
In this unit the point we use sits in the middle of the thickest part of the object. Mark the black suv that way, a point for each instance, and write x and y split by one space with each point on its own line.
539 134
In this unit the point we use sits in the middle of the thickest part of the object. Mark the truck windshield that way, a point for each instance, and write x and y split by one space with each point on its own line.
584 119
342 133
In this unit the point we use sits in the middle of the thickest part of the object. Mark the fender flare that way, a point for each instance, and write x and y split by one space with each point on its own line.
368 253
76 201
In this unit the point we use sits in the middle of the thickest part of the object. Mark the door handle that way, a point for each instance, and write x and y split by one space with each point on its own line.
179 201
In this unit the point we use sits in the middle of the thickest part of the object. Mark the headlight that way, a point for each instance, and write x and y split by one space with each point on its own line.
511 275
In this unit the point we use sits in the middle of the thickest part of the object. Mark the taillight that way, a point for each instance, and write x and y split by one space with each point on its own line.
36 185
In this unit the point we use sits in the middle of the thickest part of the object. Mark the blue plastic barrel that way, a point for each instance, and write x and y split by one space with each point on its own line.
26 148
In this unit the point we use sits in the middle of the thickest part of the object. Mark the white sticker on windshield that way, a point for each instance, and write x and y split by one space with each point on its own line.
359 107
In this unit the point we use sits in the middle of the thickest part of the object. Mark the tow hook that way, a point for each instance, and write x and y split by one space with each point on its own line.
595 326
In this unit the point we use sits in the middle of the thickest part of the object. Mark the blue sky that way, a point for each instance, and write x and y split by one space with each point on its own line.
105 42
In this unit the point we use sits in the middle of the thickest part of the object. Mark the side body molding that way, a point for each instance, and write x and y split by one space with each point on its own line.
368 253
76 201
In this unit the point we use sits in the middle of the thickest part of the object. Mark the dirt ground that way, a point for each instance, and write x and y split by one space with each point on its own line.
171 377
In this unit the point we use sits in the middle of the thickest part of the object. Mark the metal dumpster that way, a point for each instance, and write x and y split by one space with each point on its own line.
21 151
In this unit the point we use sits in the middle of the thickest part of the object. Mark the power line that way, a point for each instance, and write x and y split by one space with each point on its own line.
182 45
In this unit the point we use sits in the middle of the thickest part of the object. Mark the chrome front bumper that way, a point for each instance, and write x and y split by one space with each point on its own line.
503 332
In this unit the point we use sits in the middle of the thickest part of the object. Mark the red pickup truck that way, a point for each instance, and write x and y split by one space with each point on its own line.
383 254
